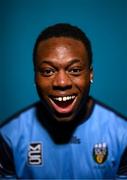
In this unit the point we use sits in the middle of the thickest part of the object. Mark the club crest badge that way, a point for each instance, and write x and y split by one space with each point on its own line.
100 152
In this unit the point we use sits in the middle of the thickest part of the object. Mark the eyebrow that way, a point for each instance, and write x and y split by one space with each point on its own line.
73 61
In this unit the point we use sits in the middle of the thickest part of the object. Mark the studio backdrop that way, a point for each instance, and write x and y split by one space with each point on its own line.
104 21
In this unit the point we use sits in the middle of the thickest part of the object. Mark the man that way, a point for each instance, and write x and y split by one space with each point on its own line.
67 135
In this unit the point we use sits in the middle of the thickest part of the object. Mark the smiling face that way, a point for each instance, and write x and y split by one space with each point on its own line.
62 76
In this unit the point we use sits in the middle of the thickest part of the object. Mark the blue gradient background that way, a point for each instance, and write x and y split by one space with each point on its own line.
105 22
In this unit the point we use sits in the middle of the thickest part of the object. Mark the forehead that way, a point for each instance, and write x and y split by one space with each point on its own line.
61 44
63 49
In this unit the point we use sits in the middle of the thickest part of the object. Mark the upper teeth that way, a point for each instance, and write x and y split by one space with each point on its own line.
65 98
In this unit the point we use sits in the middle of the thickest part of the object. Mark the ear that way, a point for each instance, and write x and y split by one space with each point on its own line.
91 74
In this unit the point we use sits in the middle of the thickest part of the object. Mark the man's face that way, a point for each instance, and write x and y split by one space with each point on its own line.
62 76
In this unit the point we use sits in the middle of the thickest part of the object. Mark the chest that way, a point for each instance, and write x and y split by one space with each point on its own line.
84 156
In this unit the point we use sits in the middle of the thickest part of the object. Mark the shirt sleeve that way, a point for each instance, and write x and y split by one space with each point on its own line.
122 171
7 169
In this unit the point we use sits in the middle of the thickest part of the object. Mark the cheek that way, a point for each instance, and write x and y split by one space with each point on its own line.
82 83
43 84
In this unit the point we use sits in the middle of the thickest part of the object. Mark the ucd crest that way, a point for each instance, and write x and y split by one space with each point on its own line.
100 152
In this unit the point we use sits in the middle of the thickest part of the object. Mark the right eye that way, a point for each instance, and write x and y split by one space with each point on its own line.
47 71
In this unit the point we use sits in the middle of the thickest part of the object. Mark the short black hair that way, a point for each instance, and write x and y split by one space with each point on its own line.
64 30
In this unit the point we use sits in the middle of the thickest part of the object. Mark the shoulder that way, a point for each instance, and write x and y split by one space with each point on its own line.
107 111
18 121
109 117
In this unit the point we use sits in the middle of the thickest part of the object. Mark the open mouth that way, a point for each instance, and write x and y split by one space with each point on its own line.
64 101
63 104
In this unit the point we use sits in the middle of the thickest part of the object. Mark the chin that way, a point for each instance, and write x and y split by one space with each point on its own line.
64 117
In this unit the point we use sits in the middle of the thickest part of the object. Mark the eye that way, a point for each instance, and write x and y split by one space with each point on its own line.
75 71
47 71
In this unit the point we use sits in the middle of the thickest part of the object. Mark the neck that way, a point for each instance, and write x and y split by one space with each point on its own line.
61 132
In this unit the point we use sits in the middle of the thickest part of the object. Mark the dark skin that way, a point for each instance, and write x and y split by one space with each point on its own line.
63 77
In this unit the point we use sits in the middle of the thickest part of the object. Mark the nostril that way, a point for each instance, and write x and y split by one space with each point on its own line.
62 88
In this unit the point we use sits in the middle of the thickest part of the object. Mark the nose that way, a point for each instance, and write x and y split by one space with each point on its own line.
62 81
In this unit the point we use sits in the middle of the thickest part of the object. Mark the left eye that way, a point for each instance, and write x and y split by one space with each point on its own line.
75 71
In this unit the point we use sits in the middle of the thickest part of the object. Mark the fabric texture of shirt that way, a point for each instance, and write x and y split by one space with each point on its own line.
97 148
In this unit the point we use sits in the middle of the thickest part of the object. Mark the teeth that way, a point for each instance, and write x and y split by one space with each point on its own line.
65 98
59 98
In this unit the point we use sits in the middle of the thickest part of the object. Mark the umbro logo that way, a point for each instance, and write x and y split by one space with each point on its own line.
35 154
75 140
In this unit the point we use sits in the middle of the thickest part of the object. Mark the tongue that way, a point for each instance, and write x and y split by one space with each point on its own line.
63 104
